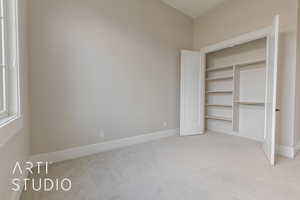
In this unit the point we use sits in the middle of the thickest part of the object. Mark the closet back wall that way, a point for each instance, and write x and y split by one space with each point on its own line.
236 17
100 66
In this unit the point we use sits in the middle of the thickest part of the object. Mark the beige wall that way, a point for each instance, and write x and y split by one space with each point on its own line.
17 148
103 65
297 105
235 17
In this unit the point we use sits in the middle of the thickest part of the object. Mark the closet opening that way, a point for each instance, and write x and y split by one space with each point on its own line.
235 90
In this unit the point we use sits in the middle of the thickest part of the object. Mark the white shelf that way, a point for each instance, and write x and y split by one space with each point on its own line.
218 91
210 69
251 103
219 78
251 62
219 105
218 118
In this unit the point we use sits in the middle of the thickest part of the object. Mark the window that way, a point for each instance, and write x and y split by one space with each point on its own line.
3 70
9 61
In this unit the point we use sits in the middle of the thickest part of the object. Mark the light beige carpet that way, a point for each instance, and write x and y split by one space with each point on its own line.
208 167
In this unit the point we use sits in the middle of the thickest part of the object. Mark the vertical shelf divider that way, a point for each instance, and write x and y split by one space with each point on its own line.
204 63
235 98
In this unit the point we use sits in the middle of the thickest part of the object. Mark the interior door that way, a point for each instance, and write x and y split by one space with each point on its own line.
192 93
271 92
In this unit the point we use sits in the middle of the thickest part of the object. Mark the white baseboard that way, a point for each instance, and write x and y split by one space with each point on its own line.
17 195
286 151
78 152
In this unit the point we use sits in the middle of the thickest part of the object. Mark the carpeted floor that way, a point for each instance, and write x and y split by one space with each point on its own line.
208 167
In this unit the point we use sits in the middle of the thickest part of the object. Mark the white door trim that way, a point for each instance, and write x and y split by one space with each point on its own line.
244 38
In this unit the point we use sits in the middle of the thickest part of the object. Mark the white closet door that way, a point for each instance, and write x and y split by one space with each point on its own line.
192 93
271 92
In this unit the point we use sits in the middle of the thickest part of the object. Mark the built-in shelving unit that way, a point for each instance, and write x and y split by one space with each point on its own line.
226 75
229 73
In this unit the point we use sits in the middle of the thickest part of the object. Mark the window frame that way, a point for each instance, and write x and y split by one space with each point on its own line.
3 65
10 65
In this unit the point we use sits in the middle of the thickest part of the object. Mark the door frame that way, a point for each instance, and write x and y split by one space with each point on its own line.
241 39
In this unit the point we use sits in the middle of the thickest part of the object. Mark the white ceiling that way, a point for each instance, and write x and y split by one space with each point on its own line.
193 8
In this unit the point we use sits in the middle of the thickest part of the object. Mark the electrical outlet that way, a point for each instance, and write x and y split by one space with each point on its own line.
102 133
165 124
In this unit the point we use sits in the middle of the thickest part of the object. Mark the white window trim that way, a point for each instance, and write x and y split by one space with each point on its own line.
11 121
3 65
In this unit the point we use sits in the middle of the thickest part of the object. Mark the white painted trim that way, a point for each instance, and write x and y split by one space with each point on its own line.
203 94
286 151
247 37
10 125
17 195
87 150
